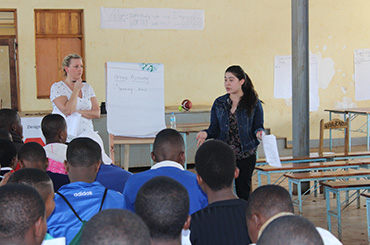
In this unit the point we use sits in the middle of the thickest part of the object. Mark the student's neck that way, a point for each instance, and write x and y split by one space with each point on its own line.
221 195
165 242
80 177
51 141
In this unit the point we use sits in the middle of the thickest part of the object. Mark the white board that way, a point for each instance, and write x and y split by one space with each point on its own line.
362 74
283 79
135 99
151 18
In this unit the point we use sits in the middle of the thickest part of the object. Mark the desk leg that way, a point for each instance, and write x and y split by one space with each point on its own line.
111 148
186 150
349 132
368 218
339 217
330 135
328 218
126 157
367 131
299 189
259 178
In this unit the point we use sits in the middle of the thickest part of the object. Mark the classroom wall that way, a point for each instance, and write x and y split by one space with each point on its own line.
250 33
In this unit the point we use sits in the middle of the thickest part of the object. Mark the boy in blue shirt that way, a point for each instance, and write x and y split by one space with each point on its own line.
84 194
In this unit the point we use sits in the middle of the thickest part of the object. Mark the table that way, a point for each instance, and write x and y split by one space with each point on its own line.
336 188
352 114
298 178
267 170
183 128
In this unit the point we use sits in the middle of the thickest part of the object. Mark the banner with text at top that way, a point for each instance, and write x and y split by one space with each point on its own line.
135 99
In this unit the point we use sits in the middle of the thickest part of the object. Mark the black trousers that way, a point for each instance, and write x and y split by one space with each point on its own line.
243 182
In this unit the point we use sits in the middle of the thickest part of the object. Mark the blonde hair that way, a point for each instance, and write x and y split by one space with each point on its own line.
67 61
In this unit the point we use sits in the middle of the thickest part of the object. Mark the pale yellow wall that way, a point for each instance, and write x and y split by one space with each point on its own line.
249 32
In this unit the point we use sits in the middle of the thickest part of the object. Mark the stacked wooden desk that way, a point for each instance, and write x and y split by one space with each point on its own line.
352 114
184 129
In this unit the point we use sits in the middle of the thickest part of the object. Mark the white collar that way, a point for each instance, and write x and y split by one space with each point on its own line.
167 163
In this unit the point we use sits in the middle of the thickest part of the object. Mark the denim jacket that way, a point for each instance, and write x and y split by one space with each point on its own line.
248 126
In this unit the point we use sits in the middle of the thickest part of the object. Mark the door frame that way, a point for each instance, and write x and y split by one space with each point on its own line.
14 92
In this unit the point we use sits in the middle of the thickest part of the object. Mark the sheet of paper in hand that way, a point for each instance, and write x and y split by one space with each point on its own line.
271 150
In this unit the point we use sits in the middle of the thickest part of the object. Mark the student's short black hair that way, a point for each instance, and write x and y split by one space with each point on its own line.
7 117
269 200
52 124
115 227
7 152
168 143
215 163
83 152
36 178
32 152
290 230
4 134
20 206
163 204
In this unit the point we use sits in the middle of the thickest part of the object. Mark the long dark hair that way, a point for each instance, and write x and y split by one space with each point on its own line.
250 96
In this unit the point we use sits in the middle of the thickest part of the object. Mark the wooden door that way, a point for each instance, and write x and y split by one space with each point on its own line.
58 33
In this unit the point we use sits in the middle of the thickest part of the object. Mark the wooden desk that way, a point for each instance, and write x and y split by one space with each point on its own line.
336 187
352 114
267 170
183 128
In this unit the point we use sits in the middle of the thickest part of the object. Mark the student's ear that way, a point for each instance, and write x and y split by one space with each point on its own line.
40 228
47 163
182 158
13 127
153 156
21 164
14 162
97 167
236 173
199 180
201 183
187 223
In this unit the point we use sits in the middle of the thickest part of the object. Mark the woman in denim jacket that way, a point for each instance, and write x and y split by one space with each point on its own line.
237 119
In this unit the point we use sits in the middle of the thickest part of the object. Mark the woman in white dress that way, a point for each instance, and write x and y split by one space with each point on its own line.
74 97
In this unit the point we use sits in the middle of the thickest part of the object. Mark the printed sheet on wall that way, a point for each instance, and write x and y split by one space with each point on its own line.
135 99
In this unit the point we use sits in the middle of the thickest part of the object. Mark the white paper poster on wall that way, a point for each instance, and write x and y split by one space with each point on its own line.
151 18
135 99
362 74
283 79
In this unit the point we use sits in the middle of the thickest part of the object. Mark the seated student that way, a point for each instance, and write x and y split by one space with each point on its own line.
269 202
84 195
115 226
109 175
4 134
54 129
223 220
10 120
8 156
163 204
23 218
39 180
169 155
32 155
290 230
